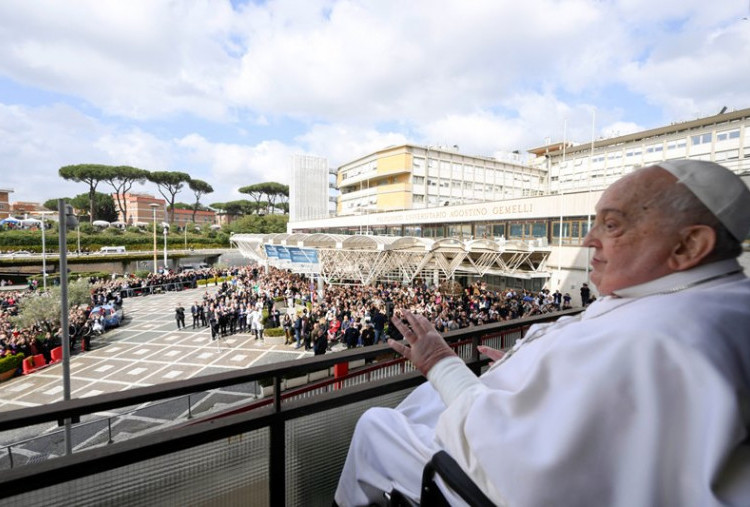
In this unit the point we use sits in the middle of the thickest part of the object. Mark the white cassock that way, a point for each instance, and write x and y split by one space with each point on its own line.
642 400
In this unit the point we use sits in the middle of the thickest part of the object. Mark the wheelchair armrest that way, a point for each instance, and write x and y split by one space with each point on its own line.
454 477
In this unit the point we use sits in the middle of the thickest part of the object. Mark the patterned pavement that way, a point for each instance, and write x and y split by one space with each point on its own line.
146 350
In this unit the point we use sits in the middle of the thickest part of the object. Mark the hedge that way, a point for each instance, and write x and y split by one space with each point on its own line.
11 362
215 280
32 240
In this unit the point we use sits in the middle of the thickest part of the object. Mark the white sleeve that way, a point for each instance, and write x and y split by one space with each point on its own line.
451 378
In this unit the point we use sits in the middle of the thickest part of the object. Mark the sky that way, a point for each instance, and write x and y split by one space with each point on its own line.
229 91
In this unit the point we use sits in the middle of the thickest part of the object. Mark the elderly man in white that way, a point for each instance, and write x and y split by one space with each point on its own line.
643 399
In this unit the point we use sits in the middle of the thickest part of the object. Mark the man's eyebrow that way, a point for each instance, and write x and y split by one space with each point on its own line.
604 211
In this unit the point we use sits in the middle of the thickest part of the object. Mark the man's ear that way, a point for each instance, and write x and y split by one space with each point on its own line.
696 243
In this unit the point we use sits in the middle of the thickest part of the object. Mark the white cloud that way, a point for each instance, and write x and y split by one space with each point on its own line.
134 82
231 166
341 143
139 59
696 76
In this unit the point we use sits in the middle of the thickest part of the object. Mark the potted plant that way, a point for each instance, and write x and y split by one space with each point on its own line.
9 365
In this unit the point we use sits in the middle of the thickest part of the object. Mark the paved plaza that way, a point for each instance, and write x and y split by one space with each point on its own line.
146 350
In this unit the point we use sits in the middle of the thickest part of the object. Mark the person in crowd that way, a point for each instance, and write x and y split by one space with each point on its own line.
319 339
368 335
179 316
585 294
378 320
213 320
642 399
195 312
256 323
298 330
351 335
286 324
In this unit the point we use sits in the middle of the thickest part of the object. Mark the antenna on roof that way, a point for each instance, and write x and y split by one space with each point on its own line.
723 110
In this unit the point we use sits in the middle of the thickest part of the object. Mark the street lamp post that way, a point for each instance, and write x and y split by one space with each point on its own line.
44 258
166 231
153 208
67 219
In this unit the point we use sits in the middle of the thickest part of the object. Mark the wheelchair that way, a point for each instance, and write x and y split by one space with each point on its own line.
452 476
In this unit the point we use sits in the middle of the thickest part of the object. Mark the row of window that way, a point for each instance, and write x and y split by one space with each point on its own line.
573 230
695 140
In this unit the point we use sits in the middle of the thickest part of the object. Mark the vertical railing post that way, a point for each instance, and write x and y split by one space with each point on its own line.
190 413
476 341
10 457
109 430
277 451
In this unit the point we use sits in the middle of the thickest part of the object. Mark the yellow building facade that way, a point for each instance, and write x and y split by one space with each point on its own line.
414 177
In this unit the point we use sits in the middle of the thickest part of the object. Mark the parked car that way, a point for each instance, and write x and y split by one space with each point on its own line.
111 316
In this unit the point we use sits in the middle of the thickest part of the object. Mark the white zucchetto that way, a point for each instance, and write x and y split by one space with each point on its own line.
719 189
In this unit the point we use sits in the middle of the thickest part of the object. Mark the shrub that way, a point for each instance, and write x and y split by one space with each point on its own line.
11 362
274 331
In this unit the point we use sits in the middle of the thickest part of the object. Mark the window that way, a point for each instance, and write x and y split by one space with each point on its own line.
516 231
498 230
700 139
418 180
673 145
573 231
727 135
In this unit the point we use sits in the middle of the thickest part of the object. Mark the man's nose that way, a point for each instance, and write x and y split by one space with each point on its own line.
591 240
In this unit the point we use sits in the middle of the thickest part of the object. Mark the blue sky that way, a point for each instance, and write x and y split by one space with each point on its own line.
228 91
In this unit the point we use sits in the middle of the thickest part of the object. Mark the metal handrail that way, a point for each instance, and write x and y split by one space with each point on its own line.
273 416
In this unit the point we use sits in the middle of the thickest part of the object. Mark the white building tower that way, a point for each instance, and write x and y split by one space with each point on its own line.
309 189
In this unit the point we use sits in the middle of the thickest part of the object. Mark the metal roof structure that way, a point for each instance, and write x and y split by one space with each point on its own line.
367 259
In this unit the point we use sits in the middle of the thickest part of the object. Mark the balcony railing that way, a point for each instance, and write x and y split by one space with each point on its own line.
287 449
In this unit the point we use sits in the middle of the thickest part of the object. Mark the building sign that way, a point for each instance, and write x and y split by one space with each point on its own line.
282 253
486 211
292 253
303 255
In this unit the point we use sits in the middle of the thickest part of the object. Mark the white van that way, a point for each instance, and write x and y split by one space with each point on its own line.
112 249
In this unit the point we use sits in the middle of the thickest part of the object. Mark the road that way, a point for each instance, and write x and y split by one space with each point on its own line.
147 350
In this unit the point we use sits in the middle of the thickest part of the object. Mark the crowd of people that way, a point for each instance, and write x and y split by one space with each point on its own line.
41 337
353 315
251 300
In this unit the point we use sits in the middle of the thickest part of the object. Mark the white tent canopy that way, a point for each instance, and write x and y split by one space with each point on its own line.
367 259
100 223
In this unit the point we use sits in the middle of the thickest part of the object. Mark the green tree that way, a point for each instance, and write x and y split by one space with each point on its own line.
276 192
121 179
235 208
91 174
255 192
51 204
199 188
45 308
169 183
104 206
270 190
259 224
283 207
